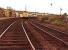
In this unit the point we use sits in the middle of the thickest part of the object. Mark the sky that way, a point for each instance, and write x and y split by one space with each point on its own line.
37 5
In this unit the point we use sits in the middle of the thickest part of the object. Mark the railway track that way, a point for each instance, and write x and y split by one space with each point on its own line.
35 38
5 23
53 27
24 34
61 43
14 38
62 36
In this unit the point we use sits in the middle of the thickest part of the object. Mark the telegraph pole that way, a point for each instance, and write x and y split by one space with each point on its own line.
25 8
51 5
60 11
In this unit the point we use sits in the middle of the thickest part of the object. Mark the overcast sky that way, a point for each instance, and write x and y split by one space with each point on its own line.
37 5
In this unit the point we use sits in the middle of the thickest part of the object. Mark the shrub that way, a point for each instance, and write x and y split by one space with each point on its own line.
58 22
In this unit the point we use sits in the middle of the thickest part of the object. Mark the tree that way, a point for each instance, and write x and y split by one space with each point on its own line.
64 16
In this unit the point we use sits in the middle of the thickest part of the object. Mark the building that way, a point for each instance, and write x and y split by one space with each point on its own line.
30 14
17 14
2 12
33 14
25 13
9 12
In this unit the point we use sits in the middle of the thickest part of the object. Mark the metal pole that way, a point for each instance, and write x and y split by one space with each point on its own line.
60 11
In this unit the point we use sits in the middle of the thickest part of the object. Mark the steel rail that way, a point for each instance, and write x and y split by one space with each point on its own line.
28 37
51 28
6 29
48 33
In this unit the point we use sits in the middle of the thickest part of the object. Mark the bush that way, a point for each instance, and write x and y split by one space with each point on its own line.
58 22
44 19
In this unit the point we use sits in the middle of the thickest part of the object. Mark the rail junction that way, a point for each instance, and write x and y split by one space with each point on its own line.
29 34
